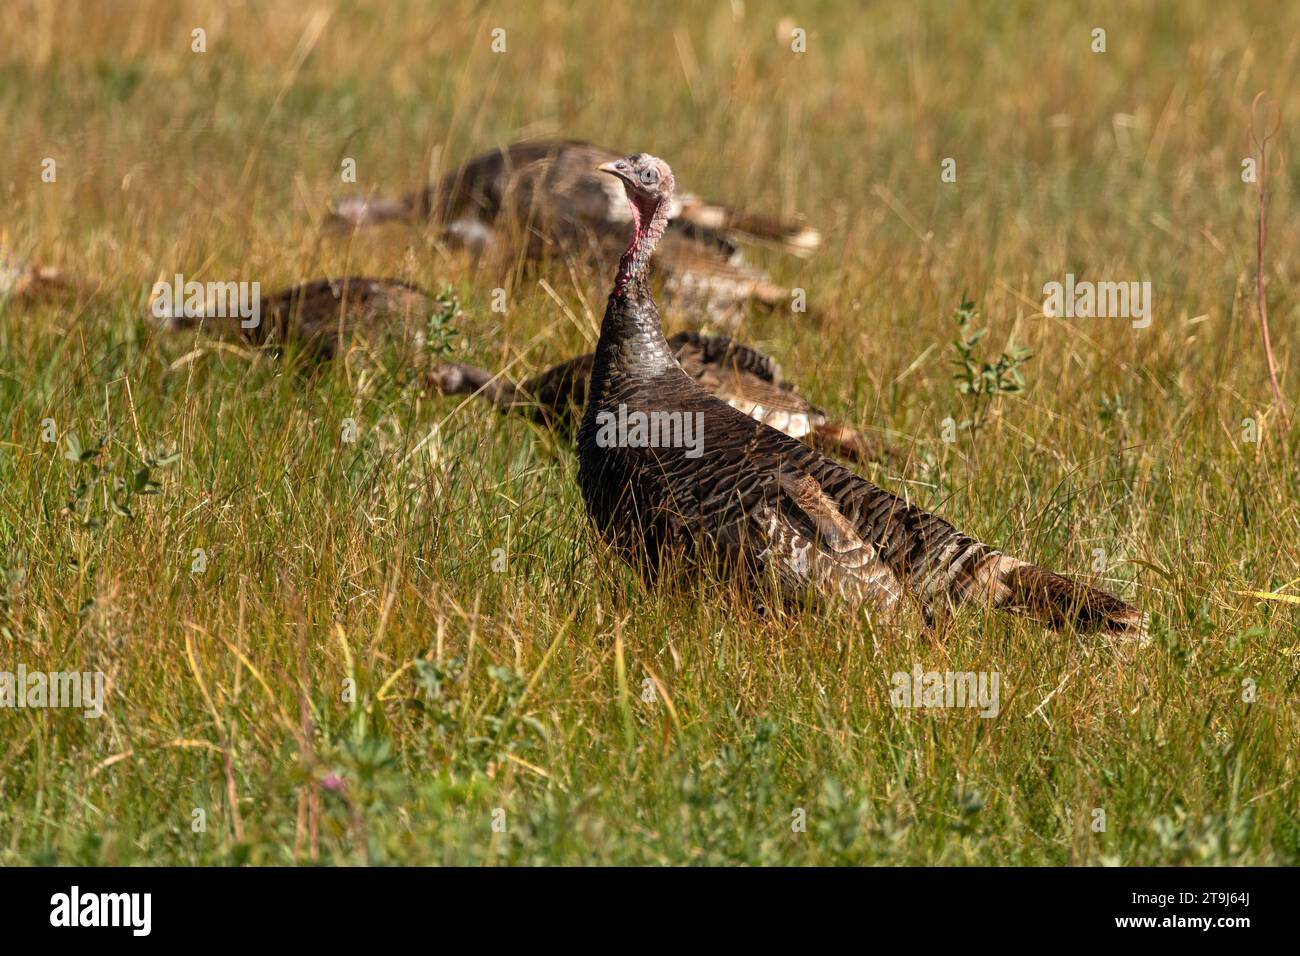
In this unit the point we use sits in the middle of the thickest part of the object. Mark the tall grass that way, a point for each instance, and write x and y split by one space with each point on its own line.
349 680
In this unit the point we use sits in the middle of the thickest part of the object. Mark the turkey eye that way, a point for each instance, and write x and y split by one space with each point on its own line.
649 176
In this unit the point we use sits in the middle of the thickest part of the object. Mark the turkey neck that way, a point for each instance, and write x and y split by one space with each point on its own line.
632 344
497 389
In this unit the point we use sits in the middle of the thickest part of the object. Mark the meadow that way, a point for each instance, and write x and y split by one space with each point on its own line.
405 646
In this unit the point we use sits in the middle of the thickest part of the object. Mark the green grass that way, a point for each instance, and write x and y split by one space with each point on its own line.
522 689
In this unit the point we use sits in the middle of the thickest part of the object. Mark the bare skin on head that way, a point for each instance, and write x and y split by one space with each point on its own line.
649 185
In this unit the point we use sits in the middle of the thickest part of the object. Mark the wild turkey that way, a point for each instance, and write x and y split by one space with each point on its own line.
726 490
321 315
545 198
741 376
23 282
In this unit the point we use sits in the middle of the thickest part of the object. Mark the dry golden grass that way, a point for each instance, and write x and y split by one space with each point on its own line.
522 690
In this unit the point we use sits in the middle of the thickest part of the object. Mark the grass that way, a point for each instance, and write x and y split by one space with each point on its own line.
351 680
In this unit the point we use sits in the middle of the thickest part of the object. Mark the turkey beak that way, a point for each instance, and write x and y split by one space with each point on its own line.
613 168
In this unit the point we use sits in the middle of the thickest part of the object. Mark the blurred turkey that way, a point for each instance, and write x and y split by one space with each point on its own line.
318 317
741 376
545 198
24 282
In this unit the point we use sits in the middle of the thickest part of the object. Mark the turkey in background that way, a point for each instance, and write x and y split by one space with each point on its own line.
24 282
741 376
322 319
545 199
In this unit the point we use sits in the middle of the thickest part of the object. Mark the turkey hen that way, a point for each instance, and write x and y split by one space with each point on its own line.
741 376
545 198
671 474
318 317
23 282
